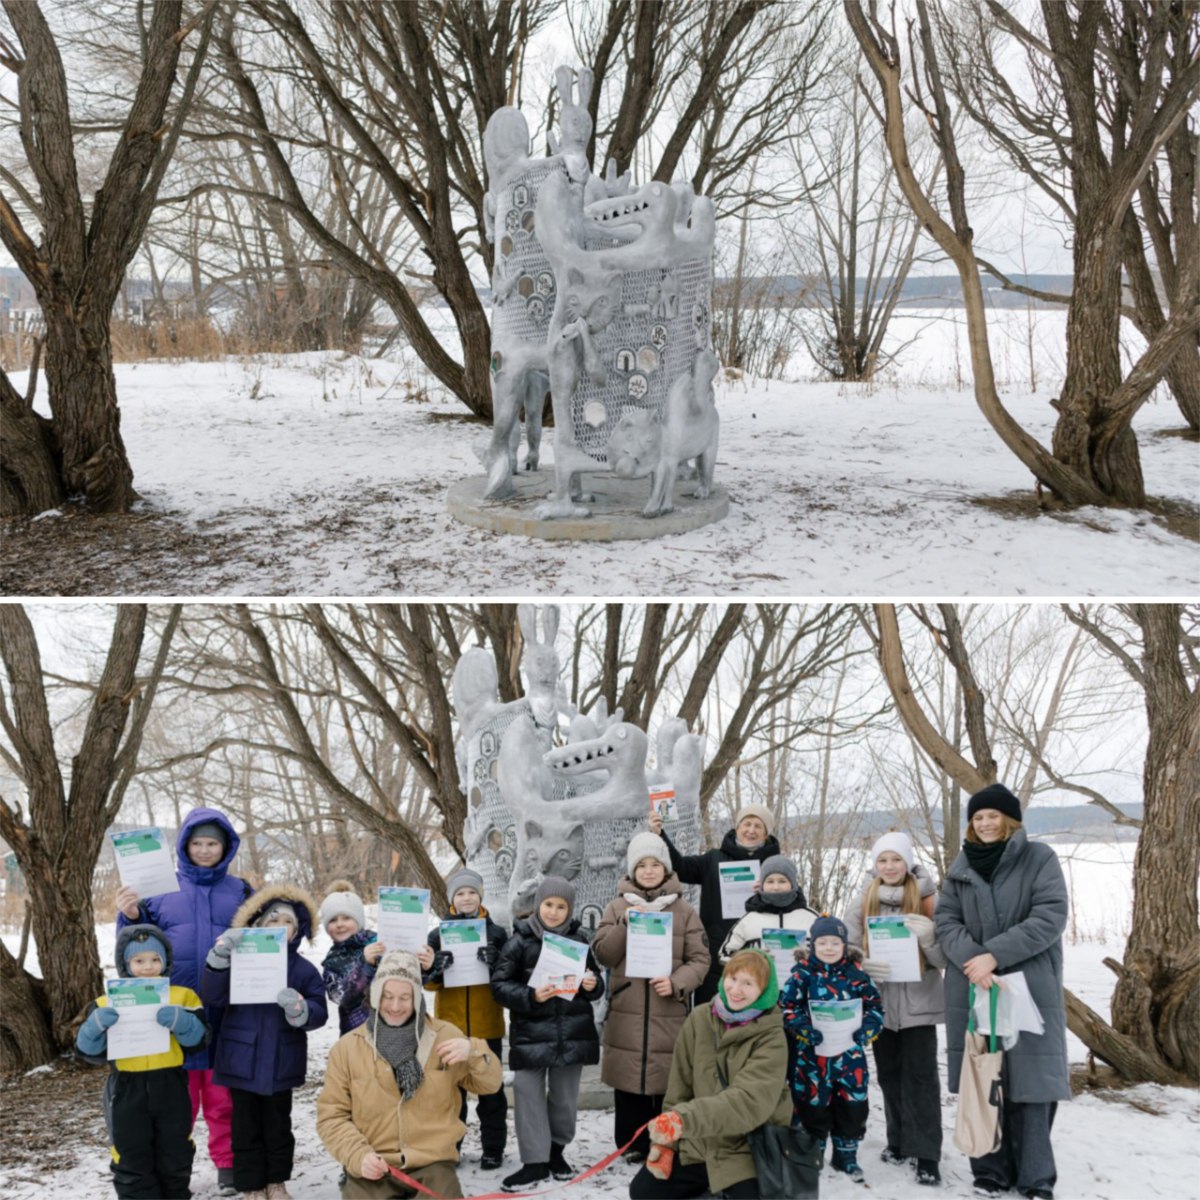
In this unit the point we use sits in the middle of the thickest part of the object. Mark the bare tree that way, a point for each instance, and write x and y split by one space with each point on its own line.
77 262
57 834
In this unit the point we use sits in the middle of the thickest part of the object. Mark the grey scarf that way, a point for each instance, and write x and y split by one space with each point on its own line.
398 1045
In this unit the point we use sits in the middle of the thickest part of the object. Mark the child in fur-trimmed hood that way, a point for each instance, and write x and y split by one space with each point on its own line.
262 1050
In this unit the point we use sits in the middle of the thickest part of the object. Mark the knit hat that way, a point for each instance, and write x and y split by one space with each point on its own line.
342 901
555 885
755 810
896 841
209 829
646 845
397 964
827 926
463 877
144 939
996 796
278 906
779 864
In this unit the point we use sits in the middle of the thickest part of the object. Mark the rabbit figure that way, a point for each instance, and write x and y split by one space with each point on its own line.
541 667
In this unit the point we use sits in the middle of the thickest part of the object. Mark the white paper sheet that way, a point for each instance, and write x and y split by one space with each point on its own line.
837 1021
144 861
404 918
1016 1011
662 801
891 941
648 945
137 1032
561 964
782 944
259 966
464 938
737 886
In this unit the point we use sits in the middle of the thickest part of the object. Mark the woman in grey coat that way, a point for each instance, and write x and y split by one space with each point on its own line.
1003 908
906 1051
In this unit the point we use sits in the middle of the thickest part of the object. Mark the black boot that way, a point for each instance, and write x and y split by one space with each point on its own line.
492 1160
529 1173
891 1154
559 1167
928 1173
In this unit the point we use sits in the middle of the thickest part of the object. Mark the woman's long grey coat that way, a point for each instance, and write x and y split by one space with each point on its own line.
1019 918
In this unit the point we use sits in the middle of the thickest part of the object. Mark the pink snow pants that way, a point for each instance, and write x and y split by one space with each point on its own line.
218 1114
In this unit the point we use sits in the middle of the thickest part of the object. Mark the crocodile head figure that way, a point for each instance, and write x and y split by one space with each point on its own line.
651 208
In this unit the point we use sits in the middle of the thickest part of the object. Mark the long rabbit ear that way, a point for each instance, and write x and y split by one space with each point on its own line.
563 77
601 711
584 76
550 622
527 619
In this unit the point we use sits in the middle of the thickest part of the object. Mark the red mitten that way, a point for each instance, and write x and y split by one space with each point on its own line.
666 1128
659 1161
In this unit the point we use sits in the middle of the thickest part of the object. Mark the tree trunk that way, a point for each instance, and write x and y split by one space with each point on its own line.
25 1040
29 473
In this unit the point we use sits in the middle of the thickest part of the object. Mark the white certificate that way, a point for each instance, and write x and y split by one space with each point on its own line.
837 1021
781 944
648 945
259 966
138 1031
1015 1008
662 801
561 964
892 941
144 862
464 938
737 885
404 918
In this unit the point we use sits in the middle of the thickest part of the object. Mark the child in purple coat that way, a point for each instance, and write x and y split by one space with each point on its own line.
193 918
350 965
262 1049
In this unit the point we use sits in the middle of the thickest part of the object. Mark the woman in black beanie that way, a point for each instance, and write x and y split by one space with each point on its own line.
1003 908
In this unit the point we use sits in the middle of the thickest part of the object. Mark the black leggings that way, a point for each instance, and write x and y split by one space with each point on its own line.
691 1180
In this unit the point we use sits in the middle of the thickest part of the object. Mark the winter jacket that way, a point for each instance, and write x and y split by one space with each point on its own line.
817 1077
641 1027
196 915
747 933
347 977
906 1005
558 1033
1019 918
360 1108
257 1050
474 1010
702 869
753 1059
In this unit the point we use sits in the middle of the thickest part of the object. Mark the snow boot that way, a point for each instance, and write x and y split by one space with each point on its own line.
528 1174
1038 1193
892 1156
928 1173
225 1182
491 1161
559 1167
989 1187
845 1159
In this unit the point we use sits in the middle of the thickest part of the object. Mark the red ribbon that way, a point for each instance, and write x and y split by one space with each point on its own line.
595 1169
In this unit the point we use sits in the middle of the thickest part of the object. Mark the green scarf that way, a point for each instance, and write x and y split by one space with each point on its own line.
770 994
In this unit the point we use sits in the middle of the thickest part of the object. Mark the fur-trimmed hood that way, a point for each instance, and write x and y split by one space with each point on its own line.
290 893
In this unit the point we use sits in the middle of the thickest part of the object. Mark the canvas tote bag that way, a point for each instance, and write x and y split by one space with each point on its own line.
977 1127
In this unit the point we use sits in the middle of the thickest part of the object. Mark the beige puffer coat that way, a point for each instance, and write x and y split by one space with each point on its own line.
641 1027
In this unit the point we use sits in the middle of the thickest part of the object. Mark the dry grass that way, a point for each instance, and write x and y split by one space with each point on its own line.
1175 516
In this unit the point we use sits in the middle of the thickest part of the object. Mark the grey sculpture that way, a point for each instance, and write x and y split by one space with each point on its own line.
603 295
553 791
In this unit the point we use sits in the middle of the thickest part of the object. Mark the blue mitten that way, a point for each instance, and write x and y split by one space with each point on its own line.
92 1038
183 1023
294 1005
218 956
817 1038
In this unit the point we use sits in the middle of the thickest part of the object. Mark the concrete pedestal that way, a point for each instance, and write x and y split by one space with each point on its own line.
616 513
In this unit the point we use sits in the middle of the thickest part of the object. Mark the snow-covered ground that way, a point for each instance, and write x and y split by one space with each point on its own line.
323 474
1138 1143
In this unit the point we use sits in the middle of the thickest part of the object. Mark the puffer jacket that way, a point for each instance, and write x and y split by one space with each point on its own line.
347 977
747 933
1019 918
642 1026
257 1050
753 1059
905 1005
558 1033
360 1108
196 915
474 1010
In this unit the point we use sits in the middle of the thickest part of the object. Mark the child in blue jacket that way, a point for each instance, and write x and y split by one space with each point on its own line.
350 965
829 1094
146 1104
262 1050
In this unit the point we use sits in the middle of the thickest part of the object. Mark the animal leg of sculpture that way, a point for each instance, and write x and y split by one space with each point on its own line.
663 492
568 458
706 465
536 386
502 450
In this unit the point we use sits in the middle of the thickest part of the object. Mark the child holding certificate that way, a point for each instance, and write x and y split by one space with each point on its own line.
349 966
832 1009
262 1049
551 1037
893 924
146 1100
648 998
473 1008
